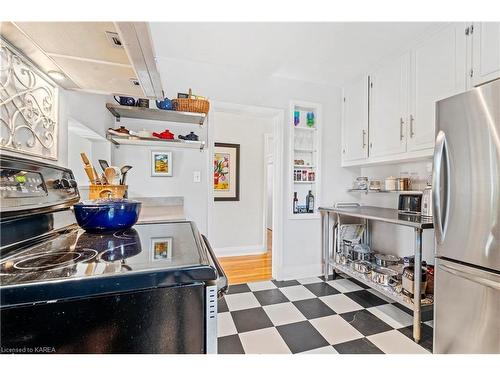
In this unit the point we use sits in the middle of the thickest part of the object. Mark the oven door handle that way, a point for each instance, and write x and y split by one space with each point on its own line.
222 284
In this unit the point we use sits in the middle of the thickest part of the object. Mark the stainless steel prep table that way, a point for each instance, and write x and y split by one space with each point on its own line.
330 217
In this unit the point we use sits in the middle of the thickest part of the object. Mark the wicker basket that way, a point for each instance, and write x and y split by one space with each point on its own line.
107 191
191 105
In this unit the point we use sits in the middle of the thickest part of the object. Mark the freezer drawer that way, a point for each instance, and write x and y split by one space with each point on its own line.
466 310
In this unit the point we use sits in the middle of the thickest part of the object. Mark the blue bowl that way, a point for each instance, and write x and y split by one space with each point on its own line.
107 215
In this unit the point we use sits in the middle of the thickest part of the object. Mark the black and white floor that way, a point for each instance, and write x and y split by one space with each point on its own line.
313 316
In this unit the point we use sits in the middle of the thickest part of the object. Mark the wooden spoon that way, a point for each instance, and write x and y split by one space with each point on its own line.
110 174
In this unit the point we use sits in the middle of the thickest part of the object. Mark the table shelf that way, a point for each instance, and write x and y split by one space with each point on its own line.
385 290
331 219
387 215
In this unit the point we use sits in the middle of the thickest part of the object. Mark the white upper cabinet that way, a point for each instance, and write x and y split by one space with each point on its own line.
389 107
438 70
485 52
355 121
403 92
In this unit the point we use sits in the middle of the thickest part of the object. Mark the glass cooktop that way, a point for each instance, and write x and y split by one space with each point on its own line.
77 255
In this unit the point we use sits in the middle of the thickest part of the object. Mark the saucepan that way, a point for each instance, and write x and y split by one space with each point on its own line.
386 260
382 275
107 215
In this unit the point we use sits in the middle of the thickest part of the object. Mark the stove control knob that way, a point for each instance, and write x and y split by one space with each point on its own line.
72 183
63 183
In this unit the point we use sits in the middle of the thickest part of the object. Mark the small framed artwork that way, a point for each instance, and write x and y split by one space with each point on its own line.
226 172
162 248
161 164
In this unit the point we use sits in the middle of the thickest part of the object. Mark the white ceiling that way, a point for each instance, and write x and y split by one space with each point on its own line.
326 53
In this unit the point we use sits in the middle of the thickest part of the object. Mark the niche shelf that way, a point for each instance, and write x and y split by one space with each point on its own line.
305 151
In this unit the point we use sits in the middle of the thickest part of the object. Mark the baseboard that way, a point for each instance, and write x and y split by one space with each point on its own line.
240 250
299 272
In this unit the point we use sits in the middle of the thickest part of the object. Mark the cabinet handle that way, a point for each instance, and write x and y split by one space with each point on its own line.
364 142
401 123
412 133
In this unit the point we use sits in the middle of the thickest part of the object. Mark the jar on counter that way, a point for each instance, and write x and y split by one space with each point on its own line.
390 184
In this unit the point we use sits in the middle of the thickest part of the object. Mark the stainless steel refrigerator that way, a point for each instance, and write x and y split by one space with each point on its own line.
466 209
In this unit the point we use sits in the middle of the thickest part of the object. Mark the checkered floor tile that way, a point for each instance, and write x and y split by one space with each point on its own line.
313 316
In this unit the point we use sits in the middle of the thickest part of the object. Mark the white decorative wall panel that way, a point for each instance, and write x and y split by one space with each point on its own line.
28 107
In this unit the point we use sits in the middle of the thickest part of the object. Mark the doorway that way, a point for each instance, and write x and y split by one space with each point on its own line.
251 263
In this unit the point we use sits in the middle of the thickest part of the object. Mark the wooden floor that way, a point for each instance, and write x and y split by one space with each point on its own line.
247 268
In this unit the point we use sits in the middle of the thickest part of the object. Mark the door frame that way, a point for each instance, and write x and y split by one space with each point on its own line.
278 117
268 160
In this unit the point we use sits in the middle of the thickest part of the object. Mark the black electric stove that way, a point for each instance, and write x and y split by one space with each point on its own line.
148 289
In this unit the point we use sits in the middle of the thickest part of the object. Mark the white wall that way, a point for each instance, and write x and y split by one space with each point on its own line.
238 226
185 162
301 238
87 109
76 145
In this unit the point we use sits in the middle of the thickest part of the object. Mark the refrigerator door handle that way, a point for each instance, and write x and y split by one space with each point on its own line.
440 158
472 276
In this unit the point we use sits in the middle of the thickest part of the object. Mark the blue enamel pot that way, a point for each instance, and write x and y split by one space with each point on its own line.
107 215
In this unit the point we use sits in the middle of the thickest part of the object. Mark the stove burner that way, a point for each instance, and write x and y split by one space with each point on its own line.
47 261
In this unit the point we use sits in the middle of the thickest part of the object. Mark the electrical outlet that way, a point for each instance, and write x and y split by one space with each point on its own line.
196 176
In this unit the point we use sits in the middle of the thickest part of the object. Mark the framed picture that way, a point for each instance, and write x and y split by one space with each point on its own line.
226 172
162 248
161 164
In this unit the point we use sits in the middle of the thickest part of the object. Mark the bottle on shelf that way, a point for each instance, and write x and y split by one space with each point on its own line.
310 202
295 203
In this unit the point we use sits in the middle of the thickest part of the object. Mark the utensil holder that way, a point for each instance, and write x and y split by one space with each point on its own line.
107 191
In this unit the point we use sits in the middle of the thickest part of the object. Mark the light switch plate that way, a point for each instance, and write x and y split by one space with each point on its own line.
197 176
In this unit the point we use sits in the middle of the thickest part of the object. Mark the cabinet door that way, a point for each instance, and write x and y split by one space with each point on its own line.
438 70
485 52
355 121
389 107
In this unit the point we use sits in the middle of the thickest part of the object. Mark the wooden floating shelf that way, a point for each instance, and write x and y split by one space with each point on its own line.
120 111
304 182
167 143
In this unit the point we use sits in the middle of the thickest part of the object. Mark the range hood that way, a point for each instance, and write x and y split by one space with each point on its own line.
98 57
136 39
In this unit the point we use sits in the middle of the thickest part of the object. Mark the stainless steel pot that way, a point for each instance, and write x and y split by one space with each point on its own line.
386 260
341 259
382 275
362 266
361 252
